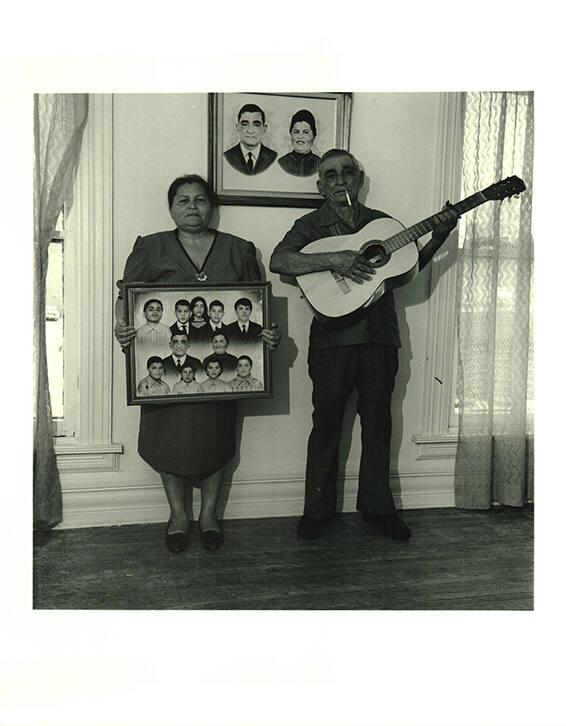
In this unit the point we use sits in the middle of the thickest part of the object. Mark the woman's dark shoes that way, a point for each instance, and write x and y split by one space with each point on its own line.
390 524
177 541
211 540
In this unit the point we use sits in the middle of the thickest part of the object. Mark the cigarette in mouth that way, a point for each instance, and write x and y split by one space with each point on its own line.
348 198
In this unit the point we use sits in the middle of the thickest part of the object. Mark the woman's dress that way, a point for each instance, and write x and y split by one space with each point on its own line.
196 438
300 164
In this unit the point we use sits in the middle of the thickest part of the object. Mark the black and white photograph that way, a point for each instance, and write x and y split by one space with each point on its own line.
283 404
209 348
265 148
381 344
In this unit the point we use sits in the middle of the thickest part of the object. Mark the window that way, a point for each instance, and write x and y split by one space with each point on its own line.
55 321
495 254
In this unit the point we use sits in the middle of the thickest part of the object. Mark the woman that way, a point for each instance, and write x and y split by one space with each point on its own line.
199 329
219 342
189 444
301 161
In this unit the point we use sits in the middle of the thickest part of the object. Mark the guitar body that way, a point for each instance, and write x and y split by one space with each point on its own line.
339 301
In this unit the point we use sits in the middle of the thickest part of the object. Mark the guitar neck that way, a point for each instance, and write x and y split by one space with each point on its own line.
411 234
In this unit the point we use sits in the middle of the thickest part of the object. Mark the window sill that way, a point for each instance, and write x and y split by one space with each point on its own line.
436 446
87 457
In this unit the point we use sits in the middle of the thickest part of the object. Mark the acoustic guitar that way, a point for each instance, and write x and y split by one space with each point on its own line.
392 248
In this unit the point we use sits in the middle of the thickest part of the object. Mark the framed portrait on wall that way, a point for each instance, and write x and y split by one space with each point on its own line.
197 342
264 148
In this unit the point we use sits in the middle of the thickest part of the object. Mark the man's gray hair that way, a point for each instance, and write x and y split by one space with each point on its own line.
331 153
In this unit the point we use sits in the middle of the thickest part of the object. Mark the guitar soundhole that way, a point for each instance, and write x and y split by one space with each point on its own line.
375 252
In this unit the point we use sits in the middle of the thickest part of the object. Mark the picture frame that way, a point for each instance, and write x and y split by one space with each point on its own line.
162 368
280 175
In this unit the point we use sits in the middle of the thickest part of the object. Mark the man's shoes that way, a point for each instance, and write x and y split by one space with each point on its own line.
176 542
390 524
309 528
211 540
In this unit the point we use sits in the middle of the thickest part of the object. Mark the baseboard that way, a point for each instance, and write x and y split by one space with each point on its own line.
137 499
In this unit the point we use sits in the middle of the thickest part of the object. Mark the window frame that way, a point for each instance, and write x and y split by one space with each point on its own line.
438 431
84 439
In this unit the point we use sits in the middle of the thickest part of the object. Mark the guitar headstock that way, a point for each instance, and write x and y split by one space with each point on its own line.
504 188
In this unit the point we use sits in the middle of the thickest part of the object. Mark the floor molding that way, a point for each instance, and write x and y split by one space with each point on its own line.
135 499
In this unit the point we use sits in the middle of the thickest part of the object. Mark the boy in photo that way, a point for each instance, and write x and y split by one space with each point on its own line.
244 381
153 332
183 315
187 384
243 330
152 384
215 314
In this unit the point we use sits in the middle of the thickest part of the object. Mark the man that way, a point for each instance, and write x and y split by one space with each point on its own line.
363 355
183 315
152 332
173 364
243 330
250 156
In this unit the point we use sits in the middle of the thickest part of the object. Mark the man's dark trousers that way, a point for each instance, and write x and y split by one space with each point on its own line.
335 372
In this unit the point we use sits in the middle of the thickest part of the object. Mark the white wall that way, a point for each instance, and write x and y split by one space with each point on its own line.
158 137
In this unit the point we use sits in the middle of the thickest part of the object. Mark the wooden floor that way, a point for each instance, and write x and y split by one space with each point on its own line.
456 560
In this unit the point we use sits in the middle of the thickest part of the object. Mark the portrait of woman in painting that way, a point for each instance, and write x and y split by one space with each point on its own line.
301 160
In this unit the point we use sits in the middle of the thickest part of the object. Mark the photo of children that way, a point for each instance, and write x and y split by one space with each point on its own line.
215 357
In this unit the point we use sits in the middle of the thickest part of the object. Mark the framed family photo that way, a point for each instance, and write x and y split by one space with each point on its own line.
265 148
197 342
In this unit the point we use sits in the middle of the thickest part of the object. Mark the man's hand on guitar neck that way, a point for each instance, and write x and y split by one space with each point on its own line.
447 220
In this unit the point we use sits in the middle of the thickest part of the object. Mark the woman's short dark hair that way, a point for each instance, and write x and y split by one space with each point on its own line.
303 115
191 179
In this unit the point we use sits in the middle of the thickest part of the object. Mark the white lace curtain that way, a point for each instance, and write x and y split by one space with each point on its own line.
494 461
59 121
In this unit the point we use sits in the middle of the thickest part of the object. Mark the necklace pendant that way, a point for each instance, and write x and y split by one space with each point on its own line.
201 276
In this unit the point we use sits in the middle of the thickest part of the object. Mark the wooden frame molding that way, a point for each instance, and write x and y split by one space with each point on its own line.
436 438
87 445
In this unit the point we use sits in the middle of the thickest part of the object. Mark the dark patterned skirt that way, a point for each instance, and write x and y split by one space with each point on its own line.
188 438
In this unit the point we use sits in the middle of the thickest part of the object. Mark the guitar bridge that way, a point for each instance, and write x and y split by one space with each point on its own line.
342 284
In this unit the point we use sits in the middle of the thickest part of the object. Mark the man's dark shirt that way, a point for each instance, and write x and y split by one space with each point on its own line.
379 324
